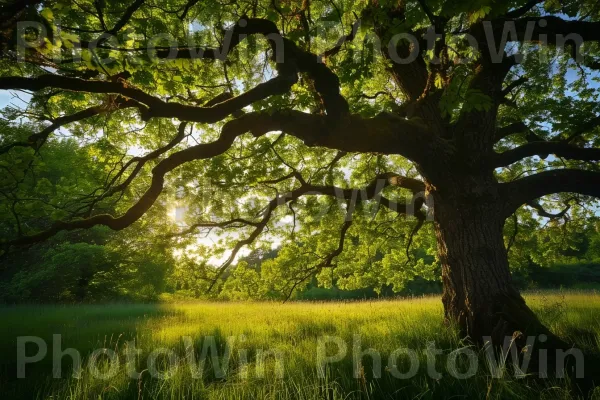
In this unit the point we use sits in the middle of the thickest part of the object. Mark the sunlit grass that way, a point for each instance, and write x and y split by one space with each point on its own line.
291 329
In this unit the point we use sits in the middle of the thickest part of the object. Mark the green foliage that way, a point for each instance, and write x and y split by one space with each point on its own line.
86 266
63 178
104 268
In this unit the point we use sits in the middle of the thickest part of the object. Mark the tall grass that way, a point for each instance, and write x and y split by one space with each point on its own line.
291 330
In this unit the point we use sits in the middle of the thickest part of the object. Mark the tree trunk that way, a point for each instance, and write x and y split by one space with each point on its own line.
479 295
82 287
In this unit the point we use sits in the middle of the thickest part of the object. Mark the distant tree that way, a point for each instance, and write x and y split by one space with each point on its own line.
92 265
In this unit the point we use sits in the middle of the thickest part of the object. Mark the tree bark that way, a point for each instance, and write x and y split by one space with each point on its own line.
479 295
82 288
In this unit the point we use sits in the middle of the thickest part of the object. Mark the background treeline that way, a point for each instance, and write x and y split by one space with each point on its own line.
103 266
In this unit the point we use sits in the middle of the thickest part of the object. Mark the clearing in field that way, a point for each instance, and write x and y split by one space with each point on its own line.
267 350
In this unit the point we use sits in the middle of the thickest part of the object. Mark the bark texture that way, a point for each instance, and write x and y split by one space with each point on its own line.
479 294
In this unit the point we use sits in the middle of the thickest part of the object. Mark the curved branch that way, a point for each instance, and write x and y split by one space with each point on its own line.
290 60
222 225
531 28
140 162
285 51
353 196
386 133
299 124
136 211
155 107
524 190
347 38
511 129
328 259
370 192
543 213
186 9
543 149
514 84
126 17
259 227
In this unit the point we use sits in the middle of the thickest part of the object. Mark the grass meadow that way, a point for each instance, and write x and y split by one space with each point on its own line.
262 332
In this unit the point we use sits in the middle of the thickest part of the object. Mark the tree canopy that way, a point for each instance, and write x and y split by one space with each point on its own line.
321 128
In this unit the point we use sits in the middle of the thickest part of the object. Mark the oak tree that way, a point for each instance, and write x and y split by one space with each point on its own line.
319 125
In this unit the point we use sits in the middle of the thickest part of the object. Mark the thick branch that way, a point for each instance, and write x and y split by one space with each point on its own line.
548 25
290 60
379 134
155 106
511 129
384 133
533 187
284 52
543 149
